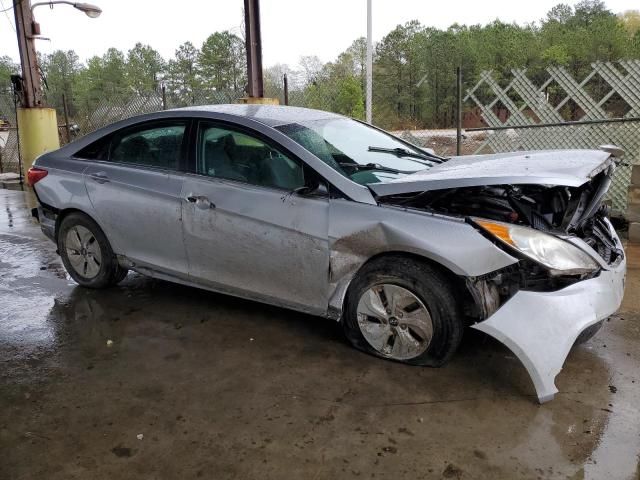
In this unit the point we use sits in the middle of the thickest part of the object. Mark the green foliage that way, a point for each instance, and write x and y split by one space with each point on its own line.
414 66
336 86
102 78
556 55
349 98
570 37
577 38
222 62
143 69
62 70
7 68
182 74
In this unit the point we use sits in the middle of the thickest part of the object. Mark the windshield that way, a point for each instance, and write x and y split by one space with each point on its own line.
358 151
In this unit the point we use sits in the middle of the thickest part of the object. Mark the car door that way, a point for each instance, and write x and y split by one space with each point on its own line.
245 231
134 185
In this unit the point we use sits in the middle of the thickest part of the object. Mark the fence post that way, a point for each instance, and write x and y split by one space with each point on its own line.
164 97
286 89
458 110
15 112
66 117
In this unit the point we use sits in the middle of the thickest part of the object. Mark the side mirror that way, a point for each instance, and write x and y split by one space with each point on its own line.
316 189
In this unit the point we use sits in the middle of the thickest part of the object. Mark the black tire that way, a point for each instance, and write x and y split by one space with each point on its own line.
588 333
426 282
120 274
108 272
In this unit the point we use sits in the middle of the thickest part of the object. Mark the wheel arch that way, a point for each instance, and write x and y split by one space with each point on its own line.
65 212
456 282
110 272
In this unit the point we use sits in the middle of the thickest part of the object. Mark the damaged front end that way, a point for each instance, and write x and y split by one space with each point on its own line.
571 268
556 209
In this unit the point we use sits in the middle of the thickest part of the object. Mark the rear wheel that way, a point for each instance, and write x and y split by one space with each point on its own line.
403 309
86 252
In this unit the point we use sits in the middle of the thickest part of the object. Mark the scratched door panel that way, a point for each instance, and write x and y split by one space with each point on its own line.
139 208
258 242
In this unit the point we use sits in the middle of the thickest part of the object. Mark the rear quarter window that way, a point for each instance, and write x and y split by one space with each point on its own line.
154 144
98 150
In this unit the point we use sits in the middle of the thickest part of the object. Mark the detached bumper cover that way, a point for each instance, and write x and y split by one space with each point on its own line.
541 327
47 224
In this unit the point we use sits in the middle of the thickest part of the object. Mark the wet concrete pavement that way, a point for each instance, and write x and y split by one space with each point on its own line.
219 388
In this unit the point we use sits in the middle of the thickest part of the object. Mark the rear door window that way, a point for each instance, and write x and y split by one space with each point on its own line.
154 146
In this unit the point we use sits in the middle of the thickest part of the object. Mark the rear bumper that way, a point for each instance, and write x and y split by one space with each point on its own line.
47 224
541 327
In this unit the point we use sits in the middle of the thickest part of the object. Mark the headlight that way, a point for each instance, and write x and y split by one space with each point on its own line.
559 256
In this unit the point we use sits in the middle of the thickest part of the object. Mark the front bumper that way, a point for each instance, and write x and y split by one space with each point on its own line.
541 327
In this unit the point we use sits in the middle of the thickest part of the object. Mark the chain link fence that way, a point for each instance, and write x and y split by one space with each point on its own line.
509 107
88 117
8 135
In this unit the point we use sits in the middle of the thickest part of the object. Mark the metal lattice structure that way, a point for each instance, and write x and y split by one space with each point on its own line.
609 90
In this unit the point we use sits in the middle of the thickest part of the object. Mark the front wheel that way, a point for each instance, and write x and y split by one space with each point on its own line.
403 309
86 252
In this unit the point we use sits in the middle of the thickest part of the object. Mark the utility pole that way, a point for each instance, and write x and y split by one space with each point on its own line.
254 54
37 125
369 99
458 111
31 85
286 89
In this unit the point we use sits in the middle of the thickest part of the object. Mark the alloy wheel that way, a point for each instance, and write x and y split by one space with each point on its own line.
83 251
394 321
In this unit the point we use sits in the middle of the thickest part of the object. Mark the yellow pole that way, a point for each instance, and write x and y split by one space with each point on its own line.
259 101
37 133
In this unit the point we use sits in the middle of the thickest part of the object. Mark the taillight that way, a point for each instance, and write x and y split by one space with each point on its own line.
35 174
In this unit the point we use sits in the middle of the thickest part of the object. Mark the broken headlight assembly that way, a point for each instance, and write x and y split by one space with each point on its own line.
558 256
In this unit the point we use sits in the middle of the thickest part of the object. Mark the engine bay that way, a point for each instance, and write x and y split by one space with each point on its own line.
578 211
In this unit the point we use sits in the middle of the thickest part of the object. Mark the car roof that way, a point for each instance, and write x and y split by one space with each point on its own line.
272 115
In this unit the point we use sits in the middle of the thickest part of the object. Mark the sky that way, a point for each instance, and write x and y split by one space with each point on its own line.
290 28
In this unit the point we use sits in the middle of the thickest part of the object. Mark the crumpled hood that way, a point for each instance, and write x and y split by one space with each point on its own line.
570 168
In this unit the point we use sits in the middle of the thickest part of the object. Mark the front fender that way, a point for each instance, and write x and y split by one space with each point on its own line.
358 232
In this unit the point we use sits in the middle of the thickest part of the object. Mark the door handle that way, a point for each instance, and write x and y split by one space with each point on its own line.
99 177
200 201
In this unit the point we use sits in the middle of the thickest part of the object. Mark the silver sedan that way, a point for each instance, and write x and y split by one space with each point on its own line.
327 215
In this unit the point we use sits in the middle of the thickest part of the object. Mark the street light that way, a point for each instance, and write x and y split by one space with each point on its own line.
38 126
91 11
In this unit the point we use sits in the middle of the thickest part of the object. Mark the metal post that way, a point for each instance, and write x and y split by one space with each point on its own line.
254 47
66 117
164 97
458 111
32 87
286 89
15 112
369 73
